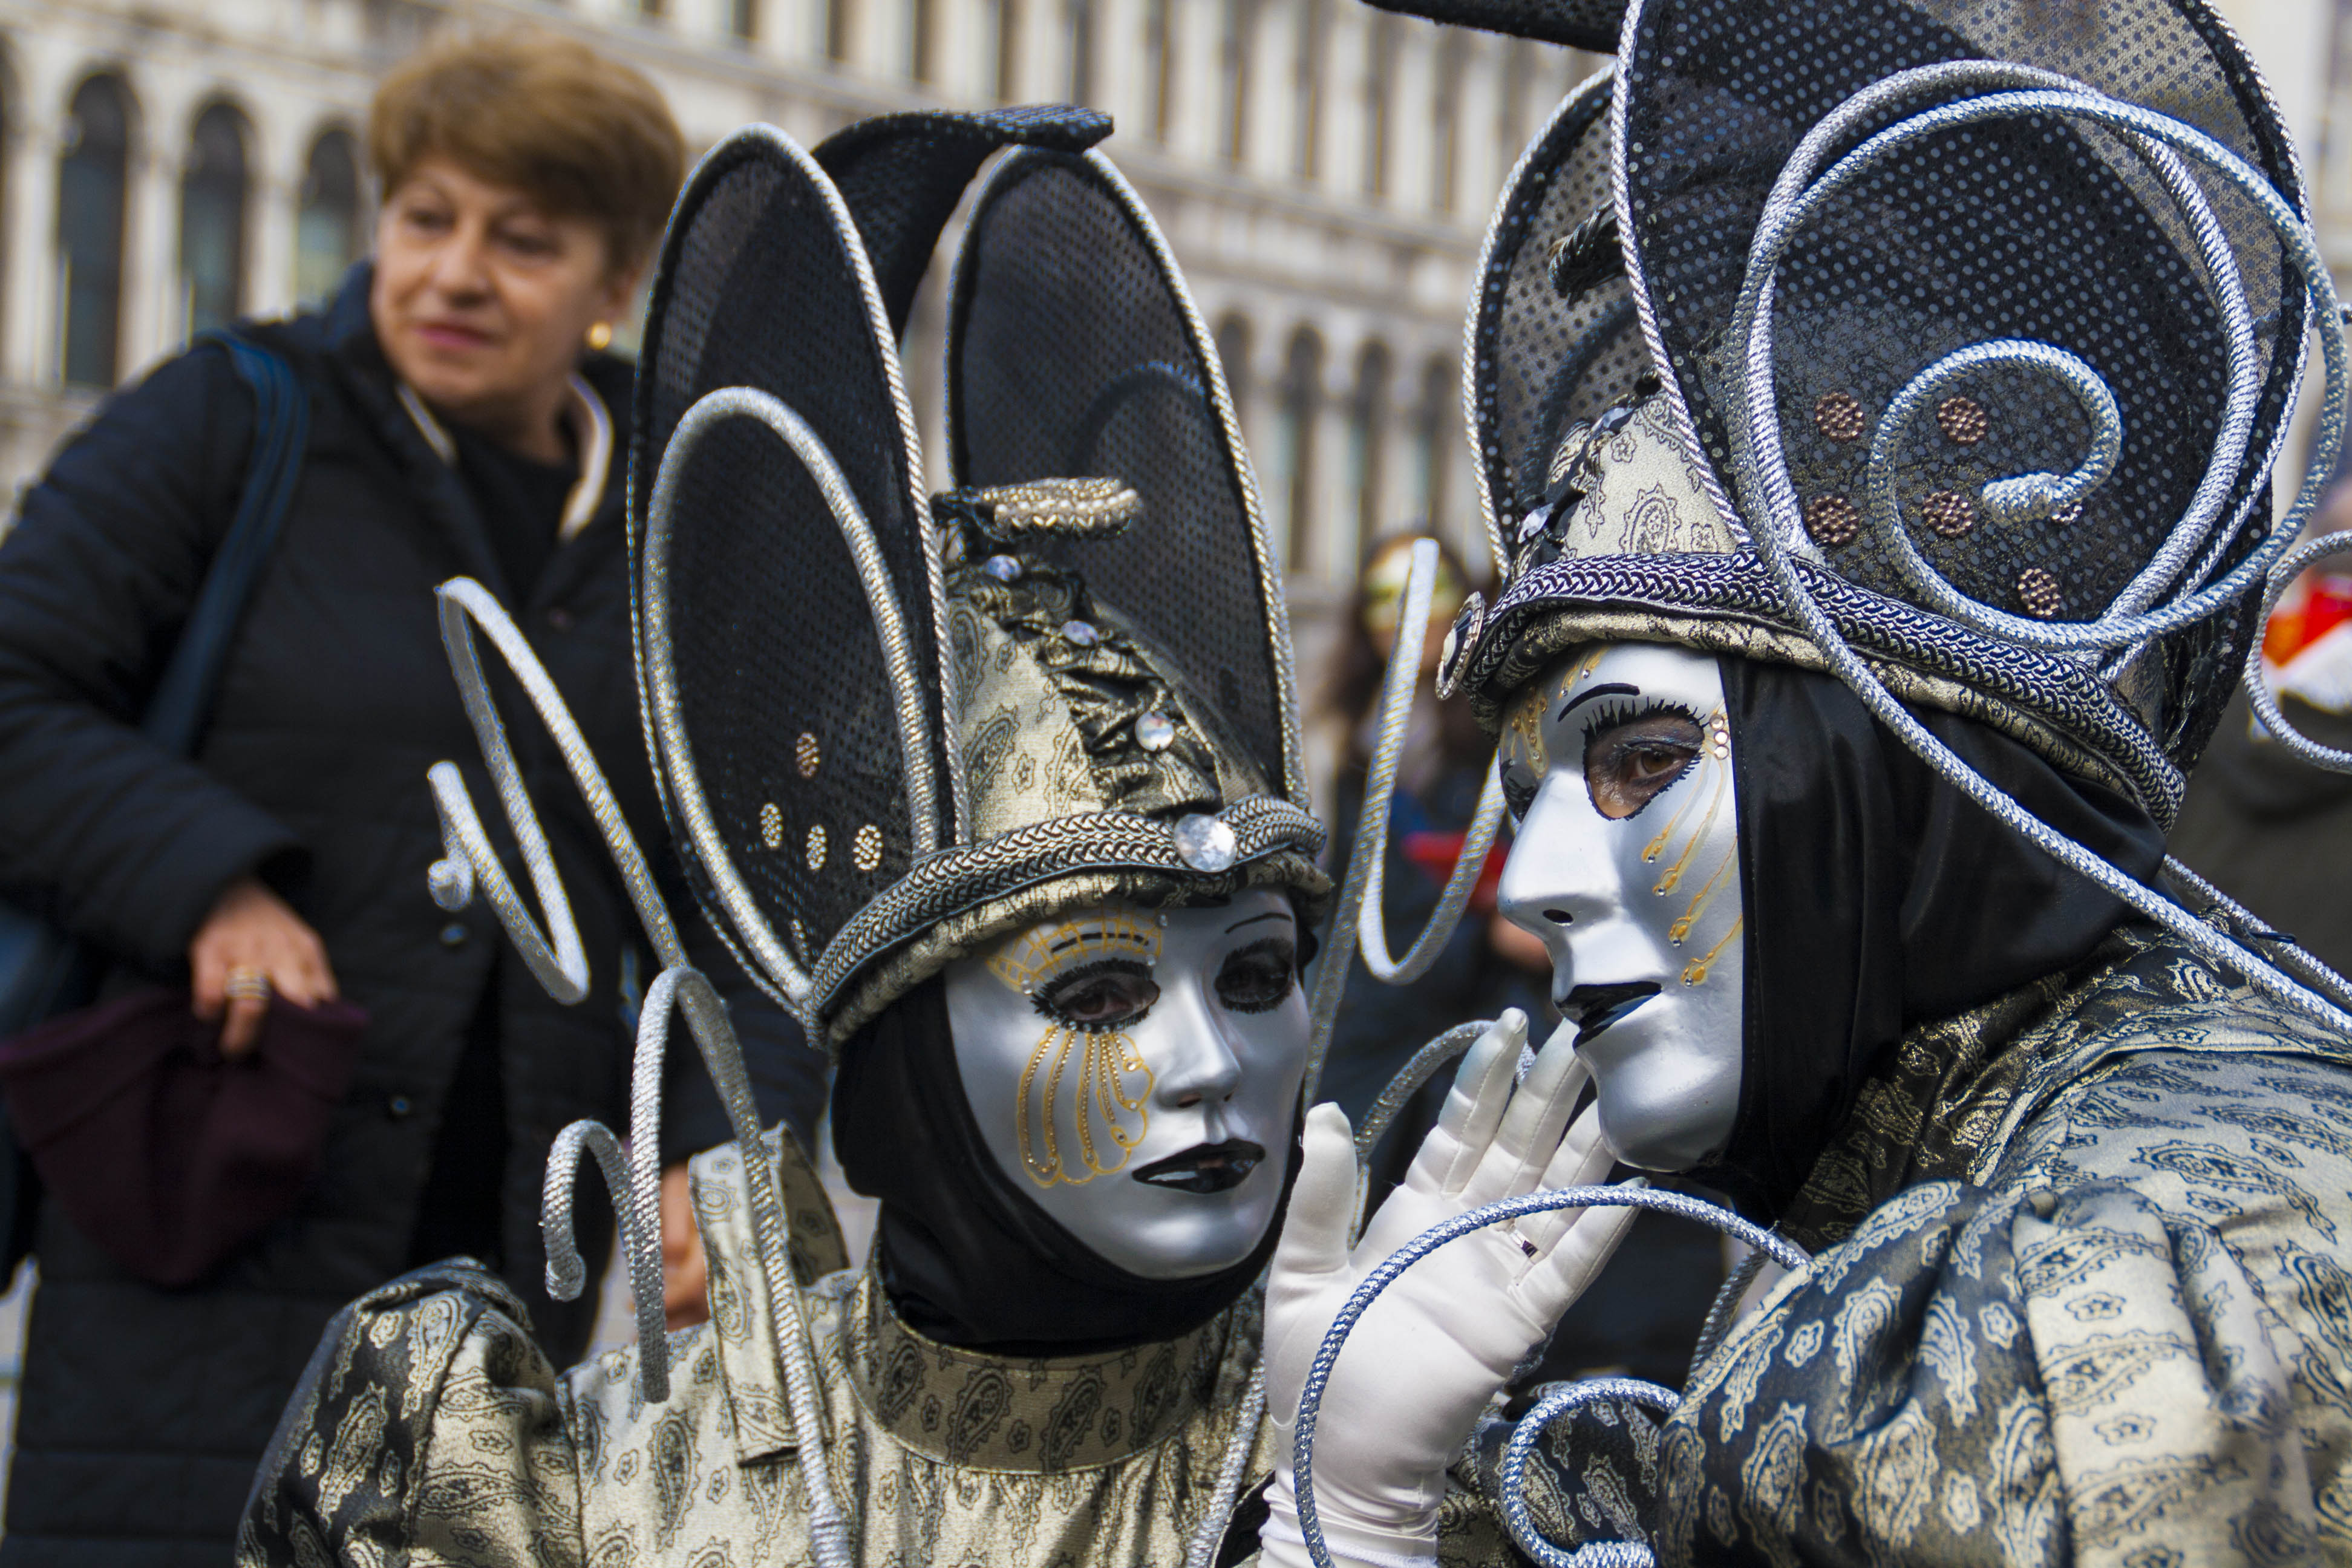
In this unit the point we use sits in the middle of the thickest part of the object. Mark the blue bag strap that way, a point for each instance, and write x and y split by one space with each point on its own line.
281 430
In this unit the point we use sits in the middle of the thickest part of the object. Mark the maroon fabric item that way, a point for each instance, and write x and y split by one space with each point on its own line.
162 1152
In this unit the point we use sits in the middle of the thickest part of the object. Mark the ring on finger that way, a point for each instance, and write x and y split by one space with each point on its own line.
247 985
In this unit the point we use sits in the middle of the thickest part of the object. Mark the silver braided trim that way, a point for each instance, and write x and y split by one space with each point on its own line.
2258 685
689 990
1798 194
1211 1532
462 601
1725 1311
955 881
1425 1064
2241 922
2045 686
560 962
1310 1403
636 1204
1512 1478
1788 205
662 695
1396 713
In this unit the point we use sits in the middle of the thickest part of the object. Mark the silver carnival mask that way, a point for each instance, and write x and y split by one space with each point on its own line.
1137 1073
1617 763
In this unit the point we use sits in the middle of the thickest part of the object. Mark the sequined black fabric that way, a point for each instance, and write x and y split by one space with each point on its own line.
773 639
1070 354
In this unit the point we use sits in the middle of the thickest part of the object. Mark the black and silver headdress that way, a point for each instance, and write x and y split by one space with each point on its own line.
1903 341
887 731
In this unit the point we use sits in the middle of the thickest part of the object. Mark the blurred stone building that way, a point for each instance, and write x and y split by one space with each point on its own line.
1323 171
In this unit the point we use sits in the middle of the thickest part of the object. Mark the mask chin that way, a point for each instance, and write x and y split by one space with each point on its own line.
1159 1135
1626 865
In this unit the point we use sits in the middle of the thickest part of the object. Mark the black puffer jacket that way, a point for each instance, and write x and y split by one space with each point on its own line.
143 1411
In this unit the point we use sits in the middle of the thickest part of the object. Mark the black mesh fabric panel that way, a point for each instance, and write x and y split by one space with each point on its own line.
782 681
2039 229
1579 24
1071 355
1547 359
902 175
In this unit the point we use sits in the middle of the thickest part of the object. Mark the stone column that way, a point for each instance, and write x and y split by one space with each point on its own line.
29 333
1275 122
154 300
273 193
1413 117
1196 38
1346 55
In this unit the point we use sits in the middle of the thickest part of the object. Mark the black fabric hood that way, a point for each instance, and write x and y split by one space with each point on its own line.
1878 897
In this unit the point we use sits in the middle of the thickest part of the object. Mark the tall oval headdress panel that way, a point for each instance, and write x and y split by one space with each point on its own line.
1074 350
1554 338
788 606
2042 228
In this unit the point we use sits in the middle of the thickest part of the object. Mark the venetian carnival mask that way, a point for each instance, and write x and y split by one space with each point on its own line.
1617 764
1137 1073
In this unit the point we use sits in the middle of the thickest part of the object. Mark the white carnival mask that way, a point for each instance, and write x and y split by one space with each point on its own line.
1138 1072
1617 763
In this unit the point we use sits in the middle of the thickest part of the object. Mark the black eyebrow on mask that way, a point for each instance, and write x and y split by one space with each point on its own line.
1269 915
1614 688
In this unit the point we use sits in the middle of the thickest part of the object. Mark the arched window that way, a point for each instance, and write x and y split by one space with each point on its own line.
1240 19
1432 441
212 220
744 20
92 177
1082 50
1158 63
1290 482
1368 412
923 42
327 217
1445 128
1379 85
838 20
1008 49
1234 354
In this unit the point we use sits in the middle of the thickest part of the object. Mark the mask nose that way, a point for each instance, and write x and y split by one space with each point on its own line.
1558 881
1185 1041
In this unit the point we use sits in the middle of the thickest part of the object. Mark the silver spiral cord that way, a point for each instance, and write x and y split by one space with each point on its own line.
557 958
2136 615
1512 1477
1604 1554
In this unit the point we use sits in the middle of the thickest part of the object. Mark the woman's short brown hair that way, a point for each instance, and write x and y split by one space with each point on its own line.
584 135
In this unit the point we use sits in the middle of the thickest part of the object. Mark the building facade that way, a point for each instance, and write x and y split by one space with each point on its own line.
1323 171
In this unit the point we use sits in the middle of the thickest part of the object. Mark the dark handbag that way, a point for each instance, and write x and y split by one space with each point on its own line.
161 1151
43 971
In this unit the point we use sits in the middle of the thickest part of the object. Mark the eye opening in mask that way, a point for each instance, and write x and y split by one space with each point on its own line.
1107 993
1634 754
1257 976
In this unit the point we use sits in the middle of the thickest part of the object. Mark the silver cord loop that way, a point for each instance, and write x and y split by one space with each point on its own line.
1512 1476
1780 542
1626 1195
662 697
1380 787
635 1187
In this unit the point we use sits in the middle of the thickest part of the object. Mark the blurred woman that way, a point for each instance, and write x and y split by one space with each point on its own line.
462 418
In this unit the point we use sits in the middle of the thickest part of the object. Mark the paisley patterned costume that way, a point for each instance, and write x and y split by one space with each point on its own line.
436 1431
2087 1302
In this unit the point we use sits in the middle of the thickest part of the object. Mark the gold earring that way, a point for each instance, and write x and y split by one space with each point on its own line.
600 336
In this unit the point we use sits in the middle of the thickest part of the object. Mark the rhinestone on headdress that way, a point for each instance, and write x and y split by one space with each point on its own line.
817 848
1949 513
1963 420
1832 520
1003 568
1154 730
1838 416
865 849
772 824
1205 843
1081 633
2039 591
804 756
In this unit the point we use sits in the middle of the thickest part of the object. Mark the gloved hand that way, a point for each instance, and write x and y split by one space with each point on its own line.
1440 1342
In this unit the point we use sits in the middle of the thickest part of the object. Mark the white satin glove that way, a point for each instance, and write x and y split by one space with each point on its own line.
1432 1353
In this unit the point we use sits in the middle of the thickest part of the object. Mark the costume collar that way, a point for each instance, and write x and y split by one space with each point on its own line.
1035 1417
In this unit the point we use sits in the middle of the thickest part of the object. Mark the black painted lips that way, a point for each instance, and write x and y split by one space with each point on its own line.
1205 1167
1596 1008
